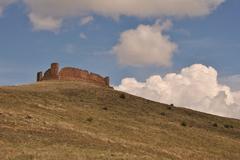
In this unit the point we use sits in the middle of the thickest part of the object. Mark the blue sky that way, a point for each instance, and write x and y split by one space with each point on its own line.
212 40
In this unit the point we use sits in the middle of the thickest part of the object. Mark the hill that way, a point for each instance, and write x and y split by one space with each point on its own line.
81 121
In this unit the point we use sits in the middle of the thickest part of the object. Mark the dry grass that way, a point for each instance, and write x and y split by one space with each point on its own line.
80 121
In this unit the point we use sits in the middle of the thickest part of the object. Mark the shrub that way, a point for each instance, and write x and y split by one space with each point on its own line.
28 117
105 108
228 126
122 96
169 108
215 125
163 113
184 124
172 105
90 119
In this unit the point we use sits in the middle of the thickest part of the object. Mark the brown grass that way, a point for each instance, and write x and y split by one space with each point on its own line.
51 121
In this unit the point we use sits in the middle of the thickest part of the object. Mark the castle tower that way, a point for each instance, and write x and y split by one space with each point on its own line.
39 76
54 71
107 81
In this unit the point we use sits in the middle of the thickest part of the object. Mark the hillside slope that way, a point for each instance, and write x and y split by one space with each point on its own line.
80 121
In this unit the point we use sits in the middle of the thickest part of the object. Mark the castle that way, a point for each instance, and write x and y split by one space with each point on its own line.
71 74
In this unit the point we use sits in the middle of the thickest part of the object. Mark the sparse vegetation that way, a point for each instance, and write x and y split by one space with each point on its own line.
228 126
69 121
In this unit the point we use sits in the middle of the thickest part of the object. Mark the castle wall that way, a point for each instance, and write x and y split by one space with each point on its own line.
97 78
47 75
75 74
69 73
72 74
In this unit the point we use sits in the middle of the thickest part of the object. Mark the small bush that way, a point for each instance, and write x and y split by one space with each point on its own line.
184 124
172 105
169 108
122 96
28 117
163 113
105 108
228 126
215 125
90 119
112 155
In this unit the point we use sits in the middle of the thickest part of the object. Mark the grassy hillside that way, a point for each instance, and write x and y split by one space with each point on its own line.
80 121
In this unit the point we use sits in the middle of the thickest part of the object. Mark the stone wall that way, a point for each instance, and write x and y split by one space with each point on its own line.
47 75
39 76
72 74
54 71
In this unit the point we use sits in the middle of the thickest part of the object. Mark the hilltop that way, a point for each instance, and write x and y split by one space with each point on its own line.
82 121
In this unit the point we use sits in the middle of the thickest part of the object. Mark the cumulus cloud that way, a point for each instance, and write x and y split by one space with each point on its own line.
145 45
61 9
86 20
5 3
195 87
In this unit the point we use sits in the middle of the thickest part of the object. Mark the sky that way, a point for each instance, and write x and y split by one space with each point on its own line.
161 50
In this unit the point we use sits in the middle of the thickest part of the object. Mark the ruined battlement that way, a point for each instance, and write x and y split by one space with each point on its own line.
71 74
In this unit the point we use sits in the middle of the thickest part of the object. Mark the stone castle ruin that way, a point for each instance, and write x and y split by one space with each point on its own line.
71 74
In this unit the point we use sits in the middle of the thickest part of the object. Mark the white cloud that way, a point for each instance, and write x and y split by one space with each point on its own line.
145 45
45 23
83 36
62 9
236 96
86 20
195 87
5 3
